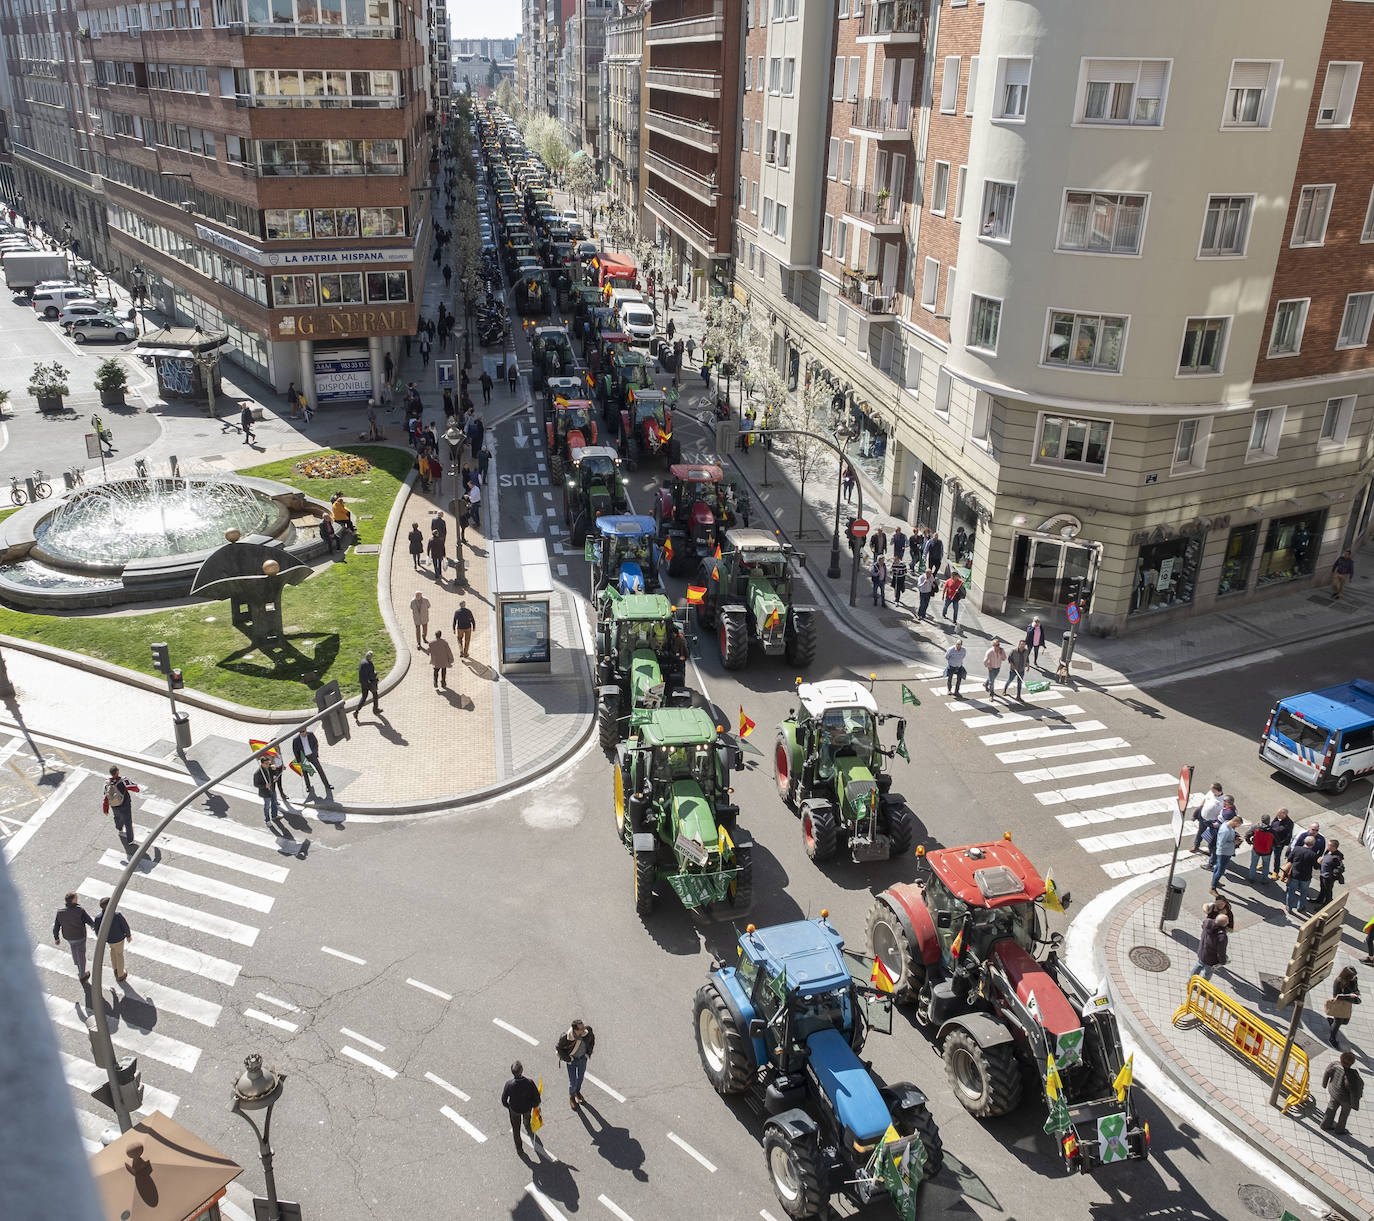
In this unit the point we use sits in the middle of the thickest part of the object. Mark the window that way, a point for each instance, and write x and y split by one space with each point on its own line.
1226 227
341 288
1102 224
767 214
287 224
853 93
930 284
1081 444
984 320
939 191
998 200
1367 233
944 386
1314 209
758 73
1125 91
1265 429
1204 342
1190 446
1338 94
784 149
841 238
981 424
758 134
1355 322
970 91
770 148
1336 418
960 182
832 166
791 8
744 137
1250 93
1290 317
827 233
1085 341
293 290
837 90
911 369
774 74
847 162
748 75
789 75
949 84
754 197
948 306
781 219
1013 89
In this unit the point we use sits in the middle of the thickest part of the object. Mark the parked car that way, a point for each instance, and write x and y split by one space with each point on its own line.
77 311
101 329
50 302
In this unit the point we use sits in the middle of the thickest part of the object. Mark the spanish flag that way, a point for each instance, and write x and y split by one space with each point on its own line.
746 726
772 621
667 550
882 980
1124 1078
696 594
1052 900
256 744
717 555
957 947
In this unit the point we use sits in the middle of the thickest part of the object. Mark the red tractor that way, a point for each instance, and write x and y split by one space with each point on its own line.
571 427
693 510
646 426
960 946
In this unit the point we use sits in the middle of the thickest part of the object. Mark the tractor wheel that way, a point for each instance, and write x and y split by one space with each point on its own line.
607 728
782 772
818 832
887 941
555 468
795 1168
734 642
721 1044
985 1080
923 1125
901 829
567 509
644 883
677 565
619 799
674 452
579 530
743 898
706 615
801 648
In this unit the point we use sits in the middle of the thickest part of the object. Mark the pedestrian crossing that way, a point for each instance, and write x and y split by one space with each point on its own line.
1075 777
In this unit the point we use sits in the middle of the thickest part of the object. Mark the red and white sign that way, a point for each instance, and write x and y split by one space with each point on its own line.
1185 789
859 528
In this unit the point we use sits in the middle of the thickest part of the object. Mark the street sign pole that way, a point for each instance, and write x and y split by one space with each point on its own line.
1310 963
1185 789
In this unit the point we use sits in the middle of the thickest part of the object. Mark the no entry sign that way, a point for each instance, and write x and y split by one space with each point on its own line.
859 528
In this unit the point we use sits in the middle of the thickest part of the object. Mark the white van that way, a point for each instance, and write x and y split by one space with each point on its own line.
50 302
637 320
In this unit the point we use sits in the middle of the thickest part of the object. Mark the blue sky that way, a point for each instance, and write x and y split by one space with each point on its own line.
484 18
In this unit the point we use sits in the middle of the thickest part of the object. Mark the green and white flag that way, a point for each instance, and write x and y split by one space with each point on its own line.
909 697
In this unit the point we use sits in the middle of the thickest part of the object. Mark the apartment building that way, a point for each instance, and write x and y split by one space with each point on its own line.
1095 296
585 86
622 72
692 75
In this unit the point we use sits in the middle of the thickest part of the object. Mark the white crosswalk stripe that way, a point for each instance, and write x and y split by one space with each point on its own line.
182 879
163 998
1129 785
1127 809
1040 731
1090 767
183 958
85 1076
175 913
1137 865
1113 840
160 1047
1060 712
1061 750
176 845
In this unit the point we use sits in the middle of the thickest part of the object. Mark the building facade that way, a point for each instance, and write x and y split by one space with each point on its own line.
623 75
1100 337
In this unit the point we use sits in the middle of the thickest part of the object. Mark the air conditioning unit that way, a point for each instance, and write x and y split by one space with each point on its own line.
1327 114
242 99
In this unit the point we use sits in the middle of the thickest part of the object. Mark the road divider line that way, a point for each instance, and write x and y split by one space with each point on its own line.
546 1205
361 1038
516 1031
601 1085
613 1208
444 1085
376 1065
415 983
766 1215
687 1149
280 1004
474 1132
362 962
279 1023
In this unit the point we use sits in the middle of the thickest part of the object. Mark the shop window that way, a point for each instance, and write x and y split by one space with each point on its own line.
871 456
1166 574
1290 548
1237 560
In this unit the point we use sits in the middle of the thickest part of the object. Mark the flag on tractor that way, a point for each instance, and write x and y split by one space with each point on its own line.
746 726
882 978
1052 899
667 550
772 620
256 744
896 1175
909 697
1058 1119
696 595
957 946
902 750
1124 1078
717 555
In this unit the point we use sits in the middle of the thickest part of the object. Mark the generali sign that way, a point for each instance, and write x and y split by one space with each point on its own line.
344 324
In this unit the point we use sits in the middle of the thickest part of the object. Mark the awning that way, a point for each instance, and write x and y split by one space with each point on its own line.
181 353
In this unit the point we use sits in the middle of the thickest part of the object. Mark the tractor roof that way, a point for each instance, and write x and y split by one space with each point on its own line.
744 538
987 875
564 383
676 727
652 607
808 949
570 404
551 331
626 525
696 474
835 693
594 451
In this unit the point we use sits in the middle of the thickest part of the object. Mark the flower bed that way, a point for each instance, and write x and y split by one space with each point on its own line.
332 465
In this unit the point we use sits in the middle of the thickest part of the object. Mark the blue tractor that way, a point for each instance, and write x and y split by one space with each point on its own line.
786 1026
623 553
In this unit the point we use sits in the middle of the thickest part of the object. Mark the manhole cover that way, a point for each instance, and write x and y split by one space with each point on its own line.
1147 958
1260 1201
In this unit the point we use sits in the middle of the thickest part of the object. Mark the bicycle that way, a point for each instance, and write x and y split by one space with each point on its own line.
19 495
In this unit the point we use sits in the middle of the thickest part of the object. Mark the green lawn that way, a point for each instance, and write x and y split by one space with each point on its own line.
330 619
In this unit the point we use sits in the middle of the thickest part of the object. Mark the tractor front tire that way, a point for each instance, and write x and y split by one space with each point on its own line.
579 530
644 883
677 562
818 832
924 1126
674 452
734 642
801 646
795 1168
556 468
721 1044
743 897
901 830
986 1080
607 727
888 941
783 772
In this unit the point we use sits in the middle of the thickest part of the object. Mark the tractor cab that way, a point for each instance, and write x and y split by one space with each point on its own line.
566 387
646 422
548 339
987 892
694 507
623 554
758 557
838 723
572 425
594 488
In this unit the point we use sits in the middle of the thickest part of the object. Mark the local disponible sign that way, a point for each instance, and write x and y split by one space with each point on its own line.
343 377
344 324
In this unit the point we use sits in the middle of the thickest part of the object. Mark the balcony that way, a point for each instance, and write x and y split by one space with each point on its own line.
680 222
708 28
875 209
882 118
360 102
52 164
698 84
698 135
894 21
867 295
695 185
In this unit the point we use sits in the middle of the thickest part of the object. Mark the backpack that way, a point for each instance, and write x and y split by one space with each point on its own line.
114 794
961 593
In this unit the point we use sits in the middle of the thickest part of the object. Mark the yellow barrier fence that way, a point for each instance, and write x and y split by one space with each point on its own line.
1250 1037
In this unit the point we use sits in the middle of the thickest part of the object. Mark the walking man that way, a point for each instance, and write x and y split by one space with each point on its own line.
1344 1086
520 1097
925 587
424 351
512 376
898 543
1341 571
120 935
1035 639
419 612
72 921
305 749
954 667
1228 836
1017 661
954 594
934 553
575 1049
475 504
877 573
898 577
266 779
992 661
463 623
1208 813
1261 839
435 550
246 423
487 384
440 658
120 806
367 680
1330 870
1301 860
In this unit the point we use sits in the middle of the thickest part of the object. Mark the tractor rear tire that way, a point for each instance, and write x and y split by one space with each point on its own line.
801 647
721 1044
901 830
734 642
607 727
818 832
556 468
795 1168
924 1126
887 940
743 898
674 451
644 883
579 530
783 772
986 1080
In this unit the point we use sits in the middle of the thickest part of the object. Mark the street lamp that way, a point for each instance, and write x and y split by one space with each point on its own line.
455 438
139 291
256 1090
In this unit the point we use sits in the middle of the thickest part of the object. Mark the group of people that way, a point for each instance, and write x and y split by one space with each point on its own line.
1023 654
440 651
522 1098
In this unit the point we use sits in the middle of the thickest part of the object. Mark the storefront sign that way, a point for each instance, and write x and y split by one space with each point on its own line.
342 377
242 250
343 324
318 258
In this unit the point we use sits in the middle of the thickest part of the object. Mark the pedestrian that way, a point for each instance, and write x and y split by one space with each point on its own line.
463 624
1344 1086
1017 660
71 922
925 587
954 667
293 399
438 524
1341 571
120 934
246 423
474 499
520 1098
389 366
1261 841
1228 838
934 553
877 573
512 376
475 430
1228 812
266 779
448 404
672 330
1301 861
487 384
992 661
1345 993
898 543
960 543
1282 827
415 540
1211 945
1035 639
877 542
440 658
448 275
1207 815
1330 870
898 579
435 550
120 806
1368 931
419 614
1221 906
847 480
691 349
305 750
954 592
424 351
1316 839
367 681
575 1048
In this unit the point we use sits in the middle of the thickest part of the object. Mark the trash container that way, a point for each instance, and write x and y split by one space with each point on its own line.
1173 898
1066 648
182 723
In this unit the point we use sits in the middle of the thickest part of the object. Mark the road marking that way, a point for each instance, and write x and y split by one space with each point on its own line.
415 983
613 1208
965 702
362 1038
1127 809
83 1075
175 913
549 1208
1065 771
182 879
444 1085
1063 712
169 1000
159 1047
766 1215
16 842
1040 731
516 1031
375 1065
1139 864
687 1149
471 1130
538 1147
219 826
281 1004
1031 754
183 958
1054 797
551 513
93 1129
217 856
1127 839
279 1023
601 1085
362 962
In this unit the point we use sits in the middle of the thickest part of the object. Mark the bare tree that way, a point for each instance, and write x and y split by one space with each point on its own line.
581 181
807 411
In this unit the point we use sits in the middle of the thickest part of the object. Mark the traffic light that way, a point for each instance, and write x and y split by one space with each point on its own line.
1073 587
162 659
174 679
130 1086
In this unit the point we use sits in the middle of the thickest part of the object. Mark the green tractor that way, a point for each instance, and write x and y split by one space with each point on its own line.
829 768
641 661
673 810
594 488
749 598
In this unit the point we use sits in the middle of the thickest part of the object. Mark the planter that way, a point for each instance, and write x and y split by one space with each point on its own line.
49 402
111 398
